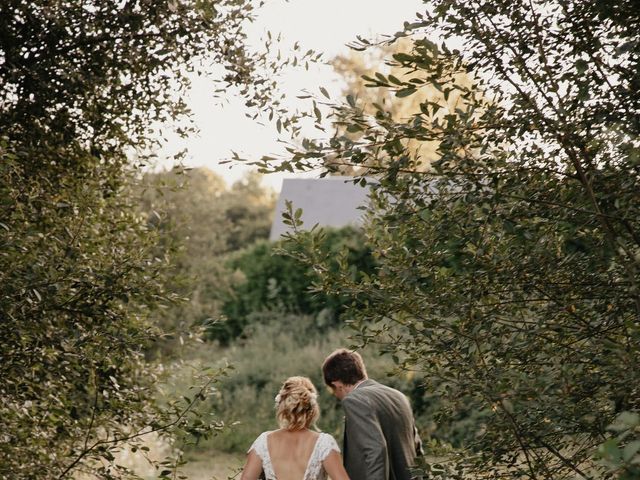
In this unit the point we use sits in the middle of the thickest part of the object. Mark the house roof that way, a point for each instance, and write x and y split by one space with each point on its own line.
328 202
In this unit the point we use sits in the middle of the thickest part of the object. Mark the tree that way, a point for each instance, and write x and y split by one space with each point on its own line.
80 84
266 281
195 212
359 69
509 270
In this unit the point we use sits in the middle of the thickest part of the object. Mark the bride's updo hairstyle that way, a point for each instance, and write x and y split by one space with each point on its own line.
297 404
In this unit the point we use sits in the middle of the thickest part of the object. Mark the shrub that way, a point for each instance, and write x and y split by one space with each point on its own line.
267 281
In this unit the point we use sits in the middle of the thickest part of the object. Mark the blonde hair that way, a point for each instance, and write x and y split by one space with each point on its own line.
297 404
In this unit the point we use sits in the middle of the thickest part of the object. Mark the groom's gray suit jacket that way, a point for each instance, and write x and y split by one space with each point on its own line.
380 438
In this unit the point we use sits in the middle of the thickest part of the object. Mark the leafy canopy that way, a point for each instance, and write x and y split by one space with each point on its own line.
80 84
508 264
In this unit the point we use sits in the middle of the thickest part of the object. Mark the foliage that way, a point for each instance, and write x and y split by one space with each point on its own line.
621 452
72 290
70 70
197 213
197 205
508 270
80 84
362 67
267 281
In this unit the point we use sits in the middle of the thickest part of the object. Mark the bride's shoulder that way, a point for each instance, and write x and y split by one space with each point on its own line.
327 443
260 443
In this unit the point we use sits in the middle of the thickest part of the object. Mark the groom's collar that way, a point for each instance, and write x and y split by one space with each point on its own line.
364 383
359 383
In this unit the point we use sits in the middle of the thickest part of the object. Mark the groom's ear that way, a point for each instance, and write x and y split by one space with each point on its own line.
337 389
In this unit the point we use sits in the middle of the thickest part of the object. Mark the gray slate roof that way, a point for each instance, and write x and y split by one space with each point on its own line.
328 202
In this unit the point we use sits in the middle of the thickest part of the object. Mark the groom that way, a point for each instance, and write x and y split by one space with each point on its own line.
381 441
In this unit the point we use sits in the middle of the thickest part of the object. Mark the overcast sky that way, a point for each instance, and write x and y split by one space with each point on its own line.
325 26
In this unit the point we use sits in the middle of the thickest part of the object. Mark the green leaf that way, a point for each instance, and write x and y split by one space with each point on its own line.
405 92
630 450
403 57
609 449
317 113
581 66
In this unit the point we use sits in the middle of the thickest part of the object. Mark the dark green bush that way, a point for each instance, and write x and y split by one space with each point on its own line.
267 281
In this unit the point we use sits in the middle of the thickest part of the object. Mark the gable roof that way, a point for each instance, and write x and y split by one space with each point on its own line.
328 202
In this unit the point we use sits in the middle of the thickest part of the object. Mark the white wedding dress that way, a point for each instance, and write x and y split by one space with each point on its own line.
325 444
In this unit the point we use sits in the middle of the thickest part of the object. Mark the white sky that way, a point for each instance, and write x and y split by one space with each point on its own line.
324 26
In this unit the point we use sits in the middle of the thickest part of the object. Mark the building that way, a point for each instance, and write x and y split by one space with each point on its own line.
329 202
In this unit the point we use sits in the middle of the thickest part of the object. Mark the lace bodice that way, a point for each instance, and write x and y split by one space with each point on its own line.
324 445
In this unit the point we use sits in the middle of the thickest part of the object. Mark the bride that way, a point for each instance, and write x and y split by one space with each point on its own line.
294 452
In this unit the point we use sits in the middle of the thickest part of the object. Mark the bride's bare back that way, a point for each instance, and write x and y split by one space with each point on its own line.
290 452
294 452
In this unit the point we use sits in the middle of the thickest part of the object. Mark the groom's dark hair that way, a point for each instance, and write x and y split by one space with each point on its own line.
344 366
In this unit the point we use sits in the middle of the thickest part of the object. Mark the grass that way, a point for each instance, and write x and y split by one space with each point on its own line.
212 465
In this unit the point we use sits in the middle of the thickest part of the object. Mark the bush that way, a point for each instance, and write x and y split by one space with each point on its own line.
267 281
80 85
